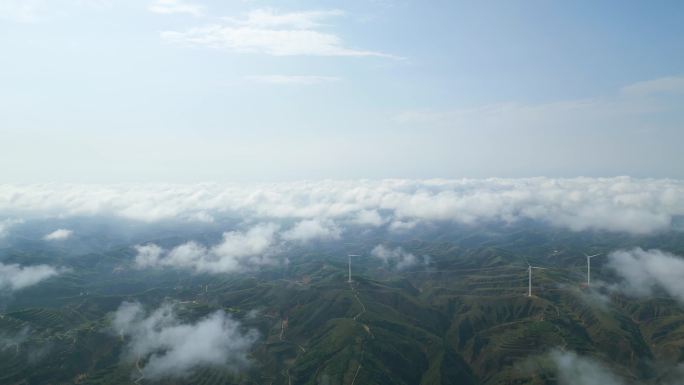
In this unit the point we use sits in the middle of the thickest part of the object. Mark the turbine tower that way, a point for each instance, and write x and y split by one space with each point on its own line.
529 277
589 257
349 256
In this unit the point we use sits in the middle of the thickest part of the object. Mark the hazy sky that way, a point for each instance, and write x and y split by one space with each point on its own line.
172 90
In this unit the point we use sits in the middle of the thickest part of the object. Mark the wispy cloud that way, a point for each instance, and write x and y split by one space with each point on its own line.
58 235
6 224
627 108
173 348
270 32
176 7
672 84
286 80
14 340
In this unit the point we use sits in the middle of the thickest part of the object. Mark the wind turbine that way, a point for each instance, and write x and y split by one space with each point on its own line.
529 277
349 256
589 257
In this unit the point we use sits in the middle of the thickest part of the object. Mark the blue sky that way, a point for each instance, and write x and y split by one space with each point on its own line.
171 90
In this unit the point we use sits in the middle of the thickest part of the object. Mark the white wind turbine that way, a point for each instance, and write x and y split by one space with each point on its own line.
589 257
529 277
349 256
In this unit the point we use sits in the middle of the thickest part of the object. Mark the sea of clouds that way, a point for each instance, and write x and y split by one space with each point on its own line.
620 204
276 214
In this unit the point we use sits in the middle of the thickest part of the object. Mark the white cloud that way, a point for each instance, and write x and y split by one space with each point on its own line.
623 204
577 370
15 277
311 229
269 32
238 251
397 258
305 80
176 7
58 235
643 271
173 348
255 241
369 218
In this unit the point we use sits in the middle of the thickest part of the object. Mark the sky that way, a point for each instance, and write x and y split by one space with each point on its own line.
233 91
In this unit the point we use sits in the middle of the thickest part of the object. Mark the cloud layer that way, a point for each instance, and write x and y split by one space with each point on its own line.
644 271
170 348
15 277
637 206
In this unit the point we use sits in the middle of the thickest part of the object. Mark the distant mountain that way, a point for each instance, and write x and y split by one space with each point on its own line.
460 315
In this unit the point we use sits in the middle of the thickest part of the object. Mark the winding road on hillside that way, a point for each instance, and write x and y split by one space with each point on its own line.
365 327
